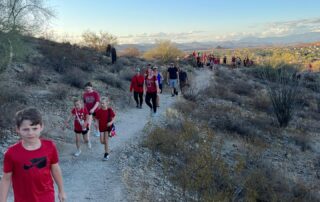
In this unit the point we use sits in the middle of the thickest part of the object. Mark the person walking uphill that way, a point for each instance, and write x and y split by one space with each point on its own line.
32 164
137 87
151 88
111 51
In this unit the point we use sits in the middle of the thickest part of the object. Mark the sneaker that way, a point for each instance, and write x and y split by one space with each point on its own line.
106 157
89 145
77 153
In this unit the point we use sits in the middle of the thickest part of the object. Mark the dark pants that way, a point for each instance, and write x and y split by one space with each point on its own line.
152 96
138 97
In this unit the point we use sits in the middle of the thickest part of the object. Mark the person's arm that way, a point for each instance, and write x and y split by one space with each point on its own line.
168 76
57 176
157 85
111 122
68 119
178 78
94 107
4 186
131 84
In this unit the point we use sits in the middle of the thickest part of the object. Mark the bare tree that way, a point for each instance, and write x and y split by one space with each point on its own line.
98 41
23 16
19 17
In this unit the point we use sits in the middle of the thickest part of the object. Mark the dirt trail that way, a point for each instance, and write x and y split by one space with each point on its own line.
87 177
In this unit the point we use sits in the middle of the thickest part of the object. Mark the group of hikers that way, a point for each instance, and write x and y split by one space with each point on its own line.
32 164
203 59
151 83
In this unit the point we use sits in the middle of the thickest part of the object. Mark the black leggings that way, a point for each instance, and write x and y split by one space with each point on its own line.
152 96
138 97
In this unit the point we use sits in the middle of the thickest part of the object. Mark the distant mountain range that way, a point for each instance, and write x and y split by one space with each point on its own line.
242 43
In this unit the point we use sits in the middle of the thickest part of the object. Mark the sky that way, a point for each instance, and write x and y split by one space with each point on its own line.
145 21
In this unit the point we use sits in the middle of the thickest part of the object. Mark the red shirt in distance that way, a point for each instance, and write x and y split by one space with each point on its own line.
151 84
137 83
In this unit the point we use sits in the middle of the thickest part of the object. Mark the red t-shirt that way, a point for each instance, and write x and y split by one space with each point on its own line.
31 171
90 99
151 84
82 114
137 83
104 116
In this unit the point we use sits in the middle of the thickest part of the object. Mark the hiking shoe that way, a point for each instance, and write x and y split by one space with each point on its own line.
106 157
77 153
89 145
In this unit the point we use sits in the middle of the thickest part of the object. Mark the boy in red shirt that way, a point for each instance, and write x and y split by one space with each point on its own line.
137 87
91 99
105 115
81 126
31 163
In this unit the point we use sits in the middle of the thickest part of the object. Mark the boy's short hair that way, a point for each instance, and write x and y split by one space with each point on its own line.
104 99
88 84
30 114
76 99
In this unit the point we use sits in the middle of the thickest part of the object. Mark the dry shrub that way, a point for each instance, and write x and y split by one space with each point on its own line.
76 78
126 74
60 92
283 92
241 87
130 52
188 161
190 94
31 76
12 99
63 56
185 107
262 102
111 80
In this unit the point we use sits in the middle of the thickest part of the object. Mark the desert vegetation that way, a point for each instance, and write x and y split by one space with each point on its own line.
228 143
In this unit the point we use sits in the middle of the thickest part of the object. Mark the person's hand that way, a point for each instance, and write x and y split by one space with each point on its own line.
62 196
109 124
66 124
91 111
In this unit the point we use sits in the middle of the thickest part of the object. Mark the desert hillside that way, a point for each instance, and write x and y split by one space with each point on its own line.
224 139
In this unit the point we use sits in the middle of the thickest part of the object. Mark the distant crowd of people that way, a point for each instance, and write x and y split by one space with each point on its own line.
203 59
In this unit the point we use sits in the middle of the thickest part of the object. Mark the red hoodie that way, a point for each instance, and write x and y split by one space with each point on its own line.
137 83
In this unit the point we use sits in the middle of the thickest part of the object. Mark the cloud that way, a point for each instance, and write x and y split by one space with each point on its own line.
291 27
174 36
